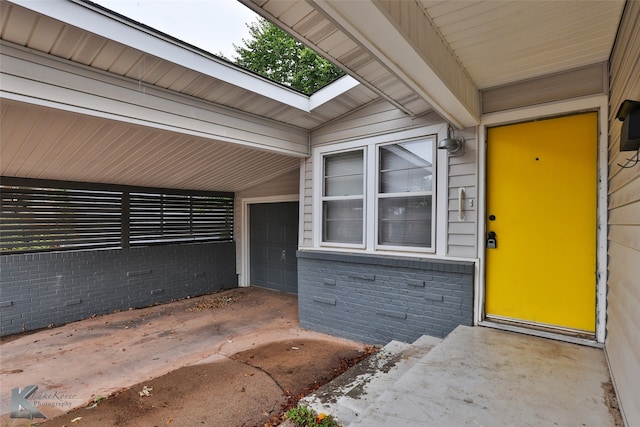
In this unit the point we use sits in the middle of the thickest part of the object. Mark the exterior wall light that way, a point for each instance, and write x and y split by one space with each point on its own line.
629 115
453 145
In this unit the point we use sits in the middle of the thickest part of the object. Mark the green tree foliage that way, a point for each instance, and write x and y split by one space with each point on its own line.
274 54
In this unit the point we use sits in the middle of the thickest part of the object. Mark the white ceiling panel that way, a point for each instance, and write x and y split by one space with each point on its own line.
501 42
496 42
50 144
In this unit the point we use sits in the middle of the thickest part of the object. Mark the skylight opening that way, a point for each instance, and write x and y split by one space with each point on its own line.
233 32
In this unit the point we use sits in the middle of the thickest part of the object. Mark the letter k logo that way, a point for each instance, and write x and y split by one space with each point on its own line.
21 407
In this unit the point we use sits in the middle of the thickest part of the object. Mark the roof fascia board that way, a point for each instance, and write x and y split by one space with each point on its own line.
331 91
97 21
370 26
36 79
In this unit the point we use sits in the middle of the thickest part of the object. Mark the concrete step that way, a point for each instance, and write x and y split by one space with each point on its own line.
483 376
349 395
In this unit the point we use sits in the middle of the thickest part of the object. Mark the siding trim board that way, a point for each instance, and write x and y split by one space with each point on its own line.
463 267
583 81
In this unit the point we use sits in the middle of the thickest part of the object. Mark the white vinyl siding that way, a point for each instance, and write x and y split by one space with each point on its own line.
462 173
375 119
307 204
623 298
45 80
381 118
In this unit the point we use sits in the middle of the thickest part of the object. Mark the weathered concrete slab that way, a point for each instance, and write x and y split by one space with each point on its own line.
74 363
348 396
486 377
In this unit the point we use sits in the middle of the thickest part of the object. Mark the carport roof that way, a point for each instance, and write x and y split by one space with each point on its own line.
167 114
87 34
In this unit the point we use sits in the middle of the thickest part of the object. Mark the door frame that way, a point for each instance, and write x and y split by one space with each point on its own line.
598 103
245 271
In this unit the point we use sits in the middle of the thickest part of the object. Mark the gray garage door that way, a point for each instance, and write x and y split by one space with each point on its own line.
273 241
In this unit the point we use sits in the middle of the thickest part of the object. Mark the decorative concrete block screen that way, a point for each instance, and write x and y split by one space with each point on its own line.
376 299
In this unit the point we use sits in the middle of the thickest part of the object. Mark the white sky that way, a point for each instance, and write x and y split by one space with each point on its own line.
212 25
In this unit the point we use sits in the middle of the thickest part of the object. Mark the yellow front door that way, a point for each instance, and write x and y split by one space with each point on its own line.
541 205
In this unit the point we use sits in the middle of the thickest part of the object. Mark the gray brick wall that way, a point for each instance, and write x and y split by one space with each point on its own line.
59 287
376 299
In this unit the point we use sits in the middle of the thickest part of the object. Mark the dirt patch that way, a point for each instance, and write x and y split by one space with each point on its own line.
297 365
250 388
611 399
211 302
221 393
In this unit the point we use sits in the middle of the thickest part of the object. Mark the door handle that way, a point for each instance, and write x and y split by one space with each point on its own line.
492 241
461 194
283 255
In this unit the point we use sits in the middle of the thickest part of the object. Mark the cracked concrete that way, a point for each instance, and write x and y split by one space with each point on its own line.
106 354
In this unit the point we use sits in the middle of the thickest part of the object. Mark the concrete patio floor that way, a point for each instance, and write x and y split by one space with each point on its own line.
74 363
474 377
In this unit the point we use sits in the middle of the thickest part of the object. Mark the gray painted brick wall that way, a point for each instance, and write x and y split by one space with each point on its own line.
40 289
376 299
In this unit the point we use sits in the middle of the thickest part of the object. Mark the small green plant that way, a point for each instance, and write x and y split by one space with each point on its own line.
306 417
13 423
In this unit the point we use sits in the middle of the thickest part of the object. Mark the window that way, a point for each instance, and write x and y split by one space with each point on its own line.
379 196
405 184
343 197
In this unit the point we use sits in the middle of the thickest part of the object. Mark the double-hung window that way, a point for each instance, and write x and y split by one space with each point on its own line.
405 194
379 196
343 197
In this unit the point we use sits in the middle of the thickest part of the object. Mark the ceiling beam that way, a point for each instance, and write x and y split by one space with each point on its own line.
413 50
40 79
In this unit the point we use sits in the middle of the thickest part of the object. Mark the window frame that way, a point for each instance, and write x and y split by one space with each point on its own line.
378 195
363 197
371 145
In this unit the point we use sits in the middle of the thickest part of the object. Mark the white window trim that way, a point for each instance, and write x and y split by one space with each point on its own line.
439 224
